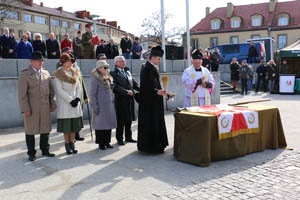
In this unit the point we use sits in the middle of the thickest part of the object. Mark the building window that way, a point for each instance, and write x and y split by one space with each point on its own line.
40 20
215 24
77 26
65 24
195 44
27 18
256 20
213 41
12 15
100 30
235 23
283 20
54 22
234 39
20 33
255 36
282 41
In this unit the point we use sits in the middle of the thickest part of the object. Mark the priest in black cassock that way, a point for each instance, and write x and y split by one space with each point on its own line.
152 133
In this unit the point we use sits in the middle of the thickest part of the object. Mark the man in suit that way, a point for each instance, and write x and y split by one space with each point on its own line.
53 49
124 99
87 43
111 50
8 43
36 100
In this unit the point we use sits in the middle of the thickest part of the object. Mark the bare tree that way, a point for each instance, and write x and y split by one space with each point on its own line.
152 29
8 10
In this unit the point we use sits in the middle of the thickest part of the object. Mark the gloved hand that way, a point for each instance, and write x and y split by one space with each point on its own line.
208 84
199 81
74 103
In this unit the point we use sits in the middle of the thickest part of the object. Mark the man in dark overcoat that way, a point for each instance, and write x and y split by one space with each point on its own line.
53 48
124 86
152 133
111 50
8 43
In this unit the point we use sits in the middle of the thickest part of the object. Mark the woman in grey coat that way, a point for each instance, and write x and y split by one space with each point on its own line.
102 103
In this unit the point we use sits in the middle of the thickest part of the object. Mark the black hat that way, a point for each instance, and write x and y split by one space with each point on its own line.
36 55
157 51
196 55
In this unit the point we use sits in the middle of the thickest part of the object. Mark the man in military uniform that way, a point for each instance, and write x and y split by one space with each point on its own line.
36 100
87 44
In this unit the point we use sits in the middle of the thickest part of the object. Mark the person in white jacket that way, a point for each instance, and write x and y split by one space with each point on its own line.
198 83
69 111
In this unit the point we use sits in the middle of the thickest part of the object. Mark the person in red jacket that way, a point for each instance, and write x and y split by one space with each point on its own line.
66 42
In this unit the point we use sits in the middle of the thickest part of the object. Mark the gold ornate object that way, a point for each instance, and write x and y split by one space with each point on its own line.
165 80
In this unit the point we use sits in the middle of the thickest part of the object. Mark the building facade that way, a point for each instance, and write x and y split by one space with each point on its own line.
236 24
24 15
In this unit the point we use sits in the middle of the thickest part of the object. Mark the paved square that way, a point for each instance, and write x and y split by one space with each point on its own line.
124 173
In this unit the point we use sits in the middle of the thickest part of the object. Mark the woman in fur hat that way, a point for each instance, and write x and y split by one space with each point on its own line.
69 111
102 103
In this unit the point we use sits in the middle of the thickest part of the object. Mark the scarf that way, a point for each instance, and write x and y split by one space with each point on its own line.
107 80
65 77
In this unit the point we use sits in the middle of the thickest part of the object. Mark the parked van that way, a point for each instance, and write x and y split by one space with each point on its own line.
239 51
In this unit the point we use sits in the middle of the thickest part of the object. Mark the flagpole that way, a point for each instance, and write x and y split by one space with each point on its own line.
188 44
162 20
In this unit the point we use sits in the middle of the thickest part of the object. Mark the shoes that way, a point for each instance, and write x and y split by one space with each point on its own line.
109 146
72 146
102 147
120 142
79 138
32 158
130 140
68 148
48 154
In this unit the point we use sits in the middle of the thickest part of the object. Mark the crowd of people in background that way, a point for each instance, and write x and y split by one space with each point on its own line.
82 46
266 75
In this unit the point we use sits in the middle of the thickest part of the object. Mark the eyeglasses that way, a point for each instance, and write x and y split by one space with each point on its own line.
121 61
106 67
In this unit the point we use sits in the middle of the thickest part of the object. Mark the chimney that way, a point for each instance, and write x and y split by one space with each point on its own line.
119 27
41 4
60 9
272 5
28 2
103 21
207 11
230 7
113 23
81 14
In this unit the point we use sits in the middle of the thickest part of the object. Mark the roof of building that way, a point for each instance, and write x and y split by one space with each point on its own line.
56 12
246 11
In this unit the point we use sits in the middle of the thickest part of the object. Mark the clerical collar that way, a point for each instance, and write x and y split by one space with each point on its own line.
198 70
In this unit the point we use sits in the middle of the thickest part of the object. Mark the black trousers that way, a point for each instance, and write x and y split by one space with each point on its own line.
244 86
120 130
263 80
214 67
44 144
103 137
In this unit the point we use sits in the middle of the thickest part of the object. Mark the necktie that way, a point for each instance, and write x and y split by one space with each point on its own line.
124 73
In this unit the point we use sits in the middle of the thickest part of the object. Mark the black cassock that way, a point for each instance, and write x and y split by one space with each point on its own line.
152 133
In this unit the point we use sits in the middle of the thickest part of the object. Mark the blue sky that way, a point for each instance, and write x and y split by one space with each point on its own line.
131 13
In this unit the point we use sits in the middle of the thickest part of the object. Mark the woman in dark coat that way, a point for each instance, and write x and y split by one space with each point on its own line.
152 133
102 103
272 76
235 72
38 44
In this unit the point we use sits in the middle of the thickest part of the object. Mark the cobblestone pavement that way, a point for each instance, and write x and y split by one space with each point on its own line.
124 173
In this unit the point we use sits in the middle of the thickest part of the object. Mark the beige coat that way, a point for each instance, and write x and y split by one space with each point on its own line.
36 95
68 88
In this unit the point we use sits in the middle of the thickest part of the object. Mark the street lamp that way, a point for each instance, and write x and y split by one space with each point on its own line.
94 17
